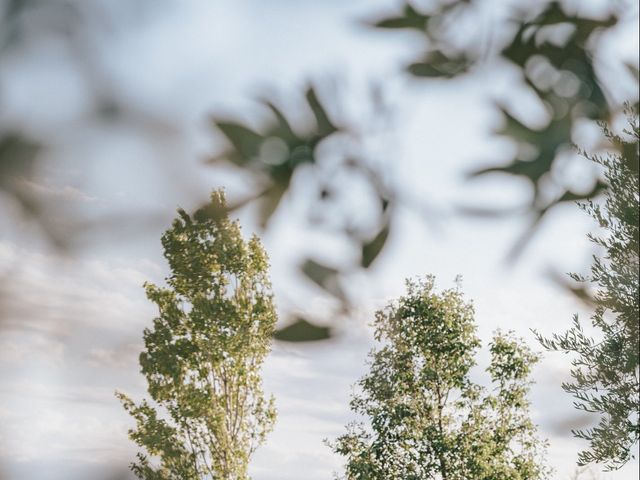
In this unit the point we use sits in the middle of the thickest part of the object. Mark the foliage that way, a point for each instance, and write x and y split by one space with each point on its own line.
605 368
551 45
271 155
529 40
203 355
427 418
30 144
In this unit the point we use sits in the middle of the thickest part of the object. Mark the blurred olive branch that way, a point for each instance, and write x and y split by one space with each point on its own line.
553 46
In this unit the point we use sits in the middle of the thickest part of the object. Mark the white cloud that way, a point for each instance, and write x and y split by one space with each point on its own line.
124 356
65 192
18 348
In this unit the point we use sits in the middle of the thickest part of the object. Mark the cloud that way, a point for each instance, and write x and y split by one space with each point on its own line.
18 348
65 192
62 298
72 335
120 357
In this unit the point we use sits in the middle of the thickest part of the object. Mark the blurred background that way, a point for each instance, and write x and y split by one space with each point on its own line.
365 141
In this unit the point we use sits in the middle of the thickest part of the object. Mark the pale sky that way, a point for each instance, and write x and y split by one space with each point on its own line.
73 326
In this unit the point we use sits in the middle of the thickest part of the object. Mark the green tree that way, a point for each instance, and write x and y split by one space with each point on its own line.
605 367
203 355
428 420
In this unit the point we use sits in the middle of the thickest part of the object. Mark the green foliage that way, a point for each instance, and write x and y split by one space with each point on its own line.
302 330
605 368
277 150
553 49
203 354
269 156
427 418
551 46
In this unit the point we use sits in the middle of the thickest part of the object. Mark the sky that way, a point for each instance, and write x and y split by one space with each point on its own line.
72 324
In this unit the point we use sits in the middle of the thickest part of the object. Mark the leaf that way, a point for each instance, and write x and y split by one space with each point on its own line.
269 202
438 65
210 211
569 196
245 141
324 124
319 274
17 159
530 169
325 277
372 249
410 18
302 330
633 71
215 210
486 212
581 292
513 127
540 213
545 142
283 129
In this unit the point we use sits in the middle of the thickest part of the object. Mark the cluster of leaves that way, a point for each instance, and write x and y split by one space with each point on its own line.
553 49
19 154
427 418
203 355
277 151
605 369
76 27
17 162
270 156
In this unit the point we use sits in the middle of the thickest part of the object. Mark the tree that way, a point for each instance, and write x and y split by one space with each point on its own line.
605 367
427 418
203 354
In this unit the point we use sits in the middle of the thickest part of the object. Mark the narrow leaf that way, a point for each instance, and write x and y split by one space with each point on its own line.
372 249
324 124
302 330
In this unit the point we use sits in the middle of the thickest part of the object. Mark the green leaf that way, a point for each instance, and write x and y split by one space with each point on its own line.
245 141
371 249
269 202
320 274
581 292
323 276
569 196
324 125
17 158
438 65
283 128
410 18
302 330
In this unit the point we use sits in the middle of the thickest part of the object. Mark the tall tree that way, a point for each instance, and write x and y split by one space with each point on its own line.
203 354
428 420
605 366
